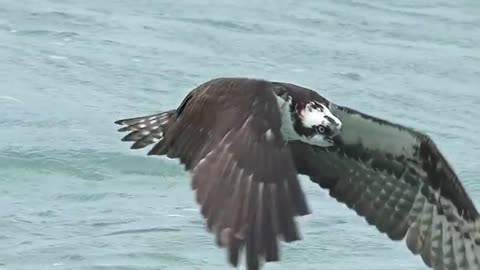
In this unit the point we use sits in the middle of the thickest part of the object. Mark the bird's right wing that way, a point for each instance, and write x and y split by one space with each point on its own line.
400 182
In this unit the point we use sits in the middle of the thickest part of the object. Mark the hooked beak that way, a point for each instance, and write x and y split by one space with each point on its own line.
337 140
334 127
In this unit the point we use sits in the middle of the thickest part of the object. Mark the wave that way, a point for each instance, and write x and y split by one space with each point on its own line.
88 164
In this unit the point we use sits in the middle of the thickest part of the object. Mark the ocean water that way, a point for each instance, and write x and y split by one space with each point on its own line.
72 196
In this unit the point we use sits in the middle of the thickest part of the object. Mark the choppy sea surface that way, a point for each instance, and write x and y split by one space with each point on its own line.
72 196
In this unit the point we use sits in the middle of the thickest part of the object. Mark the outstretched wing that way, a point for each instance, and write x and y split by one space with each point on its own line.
227 133
400 182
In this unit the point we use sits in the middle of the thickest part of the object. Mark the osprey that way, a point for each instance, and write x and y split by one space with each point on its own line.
246 140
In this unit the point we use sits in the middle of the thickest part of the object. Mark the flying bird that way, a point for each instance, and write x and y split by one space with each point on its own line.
245 141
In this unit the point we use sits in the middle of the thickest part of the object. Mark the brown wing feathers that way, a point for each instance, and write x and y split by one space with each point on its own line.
244 200
242 171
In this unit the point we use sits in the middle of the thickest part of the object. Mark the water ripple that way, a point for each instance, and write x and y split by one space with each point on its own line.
73 196
141 231
88 163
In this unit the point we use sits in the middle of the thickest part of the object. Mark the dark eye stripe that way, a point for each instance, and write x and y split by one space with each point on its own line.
316 105
330 119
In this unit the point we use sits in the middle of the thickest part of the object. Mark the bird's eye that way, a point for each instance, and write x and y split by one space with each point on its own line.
321 129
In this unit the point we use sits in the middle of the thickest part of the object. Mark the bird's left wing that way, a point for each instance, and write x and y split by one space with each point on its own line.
400 182
227 134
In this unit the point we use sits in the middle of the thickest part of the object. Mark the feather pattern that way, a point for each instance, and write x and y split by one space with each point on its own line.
145 130
242 170
397 179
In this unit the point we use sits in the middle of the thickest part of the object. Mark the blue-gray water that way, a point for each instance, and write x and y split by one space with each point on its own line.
72 196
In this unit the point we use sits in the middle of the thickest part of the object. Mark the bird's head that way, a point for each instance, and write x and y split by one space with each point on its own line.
316 123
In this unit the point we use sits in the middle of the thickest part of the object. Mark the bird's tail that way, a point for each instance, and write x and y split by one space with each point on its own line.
146 130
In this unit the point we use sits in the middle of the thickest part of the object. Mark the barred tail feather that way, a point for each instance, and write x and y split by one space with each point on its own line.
146 130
